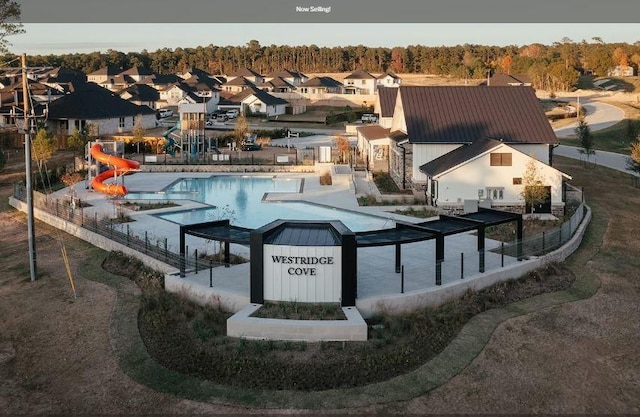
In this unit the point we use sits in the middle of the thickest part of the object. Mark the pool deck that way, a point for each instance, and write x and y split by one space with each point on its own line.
376 267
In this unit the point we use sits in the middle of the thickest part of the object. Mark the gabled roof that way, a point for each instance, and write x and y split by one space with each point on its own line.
261 95
197 72
277 82
137 71
240 81
322 82
458 114
141 92
64 75
459 156
119 79
503 80
109 70
160 79
387 97
201 84
390 74
372 132
360 75
285 73
245 72
94 103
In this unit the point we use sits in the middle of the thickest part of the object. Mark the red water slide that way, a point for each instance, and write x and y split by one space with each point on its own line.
123 166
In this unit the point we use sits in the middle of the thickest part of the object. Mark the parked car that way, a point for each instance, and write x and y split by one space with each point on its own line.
165 113
369 118
251 146
233 113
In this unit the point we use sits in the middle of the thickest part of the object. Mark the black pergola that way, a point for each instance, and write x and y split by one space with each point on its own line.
403 233
219 230
438 229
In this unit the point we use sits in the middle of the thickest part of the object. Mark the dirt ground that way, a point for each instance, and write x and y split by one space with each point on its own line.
583 357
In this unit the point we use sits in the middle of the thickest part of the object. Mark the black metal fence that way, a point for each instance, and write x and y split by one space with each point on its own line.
118 230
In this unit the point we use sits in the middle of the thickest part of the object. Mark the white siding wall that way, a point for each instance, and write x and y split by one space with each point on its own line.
112 126
465 181
537 151
319 283
426 153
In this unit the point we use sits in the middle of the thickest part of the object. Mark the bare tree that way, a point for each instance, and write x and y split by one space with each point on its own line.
241 130
534 191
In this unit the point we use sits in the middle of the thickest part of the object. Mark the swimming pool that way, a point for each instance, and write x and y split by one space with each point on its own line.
240 199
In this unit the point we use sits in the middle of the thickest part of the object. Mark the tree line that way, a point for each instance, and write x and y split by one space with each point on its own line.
551 67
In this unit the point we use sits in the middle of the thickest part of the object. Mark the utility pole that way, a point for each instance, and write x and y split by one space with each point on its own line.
27 161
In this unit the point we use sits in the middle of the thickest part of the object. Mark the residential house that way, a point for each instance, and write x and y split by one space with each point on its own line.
359 82
388 79
194 72
321 85
106 112
141 94
103 74
248 74
160 81
192 102
117 82
62 78
384 105
431 122
292 77
172 94
256 101
490 170
508 80
237 84
277 85
621 71
137 73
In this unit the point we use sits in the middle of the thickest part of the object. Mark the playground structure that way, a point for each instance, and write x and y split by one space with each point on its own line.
122 167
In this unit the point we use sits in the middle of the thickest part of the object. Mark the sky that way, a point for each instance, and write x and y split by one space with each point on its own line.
59 38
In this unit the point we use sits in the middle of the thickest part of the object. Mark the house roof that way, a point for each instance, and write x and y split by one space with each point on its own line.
160 79
119 79
94 103
261 95
64 75
372 132
387 97
278 82
109 70
201 84
390 74
459 156
245 72
321 82
141 92
137 71
360 75
398 135
240 81
286 73
197 72
458 114
503 80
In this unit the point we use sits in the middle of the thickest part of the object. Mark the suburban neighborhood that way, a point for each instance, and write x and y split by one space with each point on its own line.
289 228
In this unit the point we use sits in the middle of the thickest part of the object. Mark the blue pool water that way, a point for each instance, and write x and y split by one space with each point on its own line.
239 199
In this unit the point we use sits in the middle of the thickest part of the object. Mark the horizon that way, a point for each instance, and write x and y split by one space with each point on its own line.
62 38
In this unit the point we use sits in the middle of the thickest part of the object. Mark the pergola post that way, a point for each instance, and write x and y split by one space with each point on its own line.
182 251
227 254
398 257
519 236
481 248
439 258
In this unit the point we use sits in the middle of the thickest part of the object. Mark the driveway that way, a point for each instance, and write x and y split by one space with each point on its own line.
607 159
599 116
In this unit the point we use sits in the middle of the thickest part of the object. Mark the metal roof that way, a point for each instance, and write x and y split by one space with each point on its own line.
220 231
458 114
305 235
